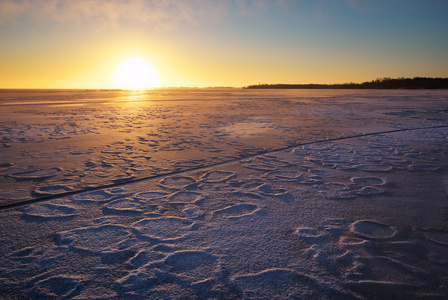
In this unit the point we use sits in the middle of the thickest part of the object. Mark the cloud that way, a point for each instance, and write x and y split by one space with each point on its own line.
177 12
81 10
114 12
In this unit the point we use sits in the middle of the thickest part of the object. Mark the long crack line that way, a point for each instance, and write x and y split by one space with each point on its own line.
118 184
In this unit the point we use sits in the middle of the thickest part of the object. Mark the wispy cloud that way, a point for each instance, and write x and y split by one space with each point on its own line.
113 12
174 13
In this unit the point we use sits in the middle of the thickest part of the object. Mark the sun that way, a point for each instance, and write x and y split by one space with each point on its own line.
135 73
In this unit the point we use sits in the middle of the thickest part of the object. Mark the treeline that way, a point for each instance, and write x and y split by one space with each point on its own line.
381 83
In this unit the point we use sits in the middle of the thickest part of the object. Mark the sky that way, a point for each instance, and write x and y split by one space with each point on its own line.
199 43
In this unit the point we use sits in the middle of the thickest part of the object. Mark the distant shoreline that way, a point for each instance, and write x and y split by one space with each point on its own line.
382 83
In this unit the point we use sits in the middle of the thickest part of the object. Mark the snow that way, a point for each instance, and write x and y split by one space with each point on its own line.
211 194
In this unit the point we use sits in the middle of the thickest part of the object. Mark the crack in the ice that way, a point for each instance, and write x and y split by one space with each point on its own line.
161 176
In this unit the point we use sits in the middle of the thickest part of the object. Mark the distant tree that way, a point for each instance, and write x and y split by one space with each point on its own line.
379 83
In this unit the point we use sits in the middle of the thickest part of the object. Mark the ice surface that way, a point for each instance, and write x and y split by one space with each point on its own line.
248 195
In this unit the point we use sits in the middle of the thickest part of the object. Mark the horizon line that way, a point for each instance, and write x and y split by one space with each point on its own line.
327 85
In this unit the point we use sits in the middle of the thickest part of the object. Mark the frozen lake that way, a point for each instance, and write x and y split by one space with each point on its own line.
224 193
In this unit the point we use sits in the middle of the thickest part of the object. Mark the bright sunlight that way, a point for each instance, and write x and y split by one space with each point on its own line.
135 73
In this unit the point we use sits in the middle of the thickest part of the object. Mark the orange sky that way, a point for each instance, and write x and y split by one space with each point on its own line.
79 44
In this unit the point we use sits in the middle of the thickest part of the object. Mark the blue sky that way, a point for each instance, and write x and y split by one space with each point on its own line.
78 44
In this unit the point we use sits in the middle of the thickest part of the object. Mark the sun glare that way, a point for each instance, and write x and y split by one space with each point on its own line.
135 73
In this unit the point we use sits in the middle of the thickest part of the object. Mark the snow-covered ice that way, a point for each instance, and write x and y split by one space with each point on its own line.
224 194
